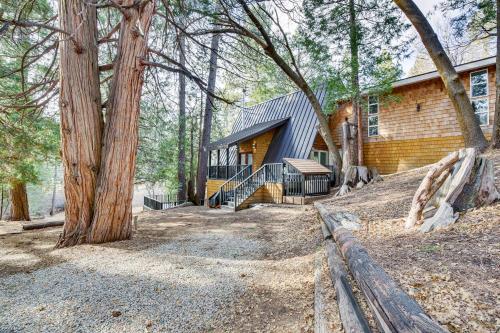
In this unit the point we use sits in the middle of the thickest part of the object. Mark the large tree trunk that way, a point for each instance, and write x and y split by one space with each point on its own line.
19 210
348 147
181 164
191 192
471 131
81 117
207 121
353 41
54 189
113 204
495 139
1 201
298 79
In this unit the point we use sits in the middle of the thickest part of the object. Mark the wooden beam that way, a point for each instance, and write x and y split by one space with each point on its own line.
393 309
353 319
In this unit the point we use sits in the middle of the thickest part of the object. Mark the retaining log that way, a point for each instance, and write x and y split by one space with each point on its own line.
393 309
320 320
351 314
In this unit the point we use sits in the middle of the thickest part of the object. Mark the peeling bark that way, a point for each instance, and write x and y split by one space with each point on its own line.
495 138
113 209
181 166
81 117
19 209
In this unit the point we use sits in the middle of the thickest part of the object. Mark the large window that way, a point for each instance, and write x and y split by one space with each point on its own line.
479 95
320 156
373 115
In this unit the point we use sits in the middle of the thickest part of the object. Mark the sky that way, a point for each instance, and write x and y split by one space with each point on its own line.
427 7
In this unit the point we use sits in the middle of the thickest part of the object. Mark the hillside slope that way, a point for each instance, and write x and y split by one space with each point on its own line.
453 273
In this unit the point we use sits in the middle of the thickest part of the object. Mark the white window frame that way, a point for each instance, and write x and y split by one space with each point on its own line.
486 97
373 115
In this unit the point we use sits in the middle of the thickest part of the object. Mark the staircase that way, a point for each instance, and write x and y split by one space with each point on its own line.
268 173
226 191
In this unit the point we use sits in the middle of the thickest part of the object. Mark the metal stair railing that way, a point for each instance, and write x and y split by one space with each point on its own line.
268 173
226 190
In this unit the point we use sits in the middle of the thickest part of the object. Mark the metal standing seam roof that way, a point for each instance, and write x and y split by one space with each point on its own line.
469 66
247 133
295 138
307 167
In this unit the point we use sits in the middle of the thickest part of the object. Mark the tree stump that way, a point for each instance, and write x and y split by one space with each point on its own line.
458 182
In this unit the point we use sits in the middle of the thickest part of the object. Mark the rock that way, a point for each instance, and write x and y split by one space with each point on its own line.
116 313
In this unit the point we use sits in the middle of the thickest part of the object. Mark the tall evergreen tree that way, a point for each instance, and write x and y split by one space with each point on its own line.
469 125
376 35
480 20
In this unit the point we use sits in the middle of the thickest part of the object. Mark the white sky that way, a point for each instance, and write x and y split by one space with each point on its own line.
427 7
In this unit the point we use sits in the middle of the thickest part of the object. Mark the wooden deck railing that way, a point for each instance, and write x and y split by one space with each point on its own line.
224 171
160 202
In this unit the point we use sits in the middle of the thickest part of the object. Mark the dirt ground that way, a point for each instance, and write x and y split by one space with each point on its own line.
253 270
453 273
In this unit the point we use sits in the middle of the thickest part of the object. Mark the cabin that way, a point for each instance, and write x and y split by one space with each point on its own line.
416 124
275 153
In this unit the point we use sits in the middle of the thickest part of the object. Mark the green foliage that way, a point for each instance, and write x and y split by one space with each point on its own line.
380 30
28 137
477 18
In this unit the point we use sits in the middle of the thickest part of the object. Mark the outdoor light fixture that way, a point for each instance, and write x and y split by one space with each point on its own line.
418 107
254 145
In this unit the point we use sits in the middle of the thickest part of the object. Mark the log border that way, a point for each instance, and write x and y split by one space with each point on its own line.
394 310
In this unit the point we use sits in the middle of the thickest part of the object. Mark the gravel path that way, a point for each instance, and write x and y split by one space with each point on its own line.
189 270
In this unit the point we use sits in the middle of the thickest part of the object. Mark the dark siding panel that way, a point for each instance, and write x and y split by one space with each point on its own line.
294 139
300 127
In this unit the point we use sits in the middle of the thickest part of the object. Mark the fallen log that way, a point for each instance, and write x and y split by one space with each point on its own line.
353 319
325 231
41 225
393 309
427 188
320 320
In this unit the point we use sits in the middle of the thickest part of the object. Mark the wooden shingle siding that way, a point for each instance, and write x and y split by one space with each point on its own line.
261 143
268 193
213 186
400 155
408 139
319 143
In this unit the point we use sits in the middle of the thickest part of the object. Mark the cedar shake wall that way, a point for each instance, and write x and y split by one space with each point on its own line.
319 143
408 139
268 193
213 186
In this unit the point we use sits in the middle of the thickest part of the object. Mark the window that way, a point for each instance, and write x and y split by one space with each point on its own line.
479 95
246 158
320 156
372 115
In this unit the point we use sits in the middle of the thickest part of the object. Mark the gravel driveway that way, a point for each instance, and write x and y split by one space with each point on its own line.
187 270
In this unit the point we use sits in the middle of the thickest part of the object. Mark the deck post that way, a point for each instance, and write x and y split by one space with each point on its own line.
303 185
227 163
218 163
209 163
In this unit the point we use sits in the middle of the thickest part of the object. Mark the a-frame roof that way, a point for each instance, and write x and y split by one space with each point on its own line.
295 138
247 133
